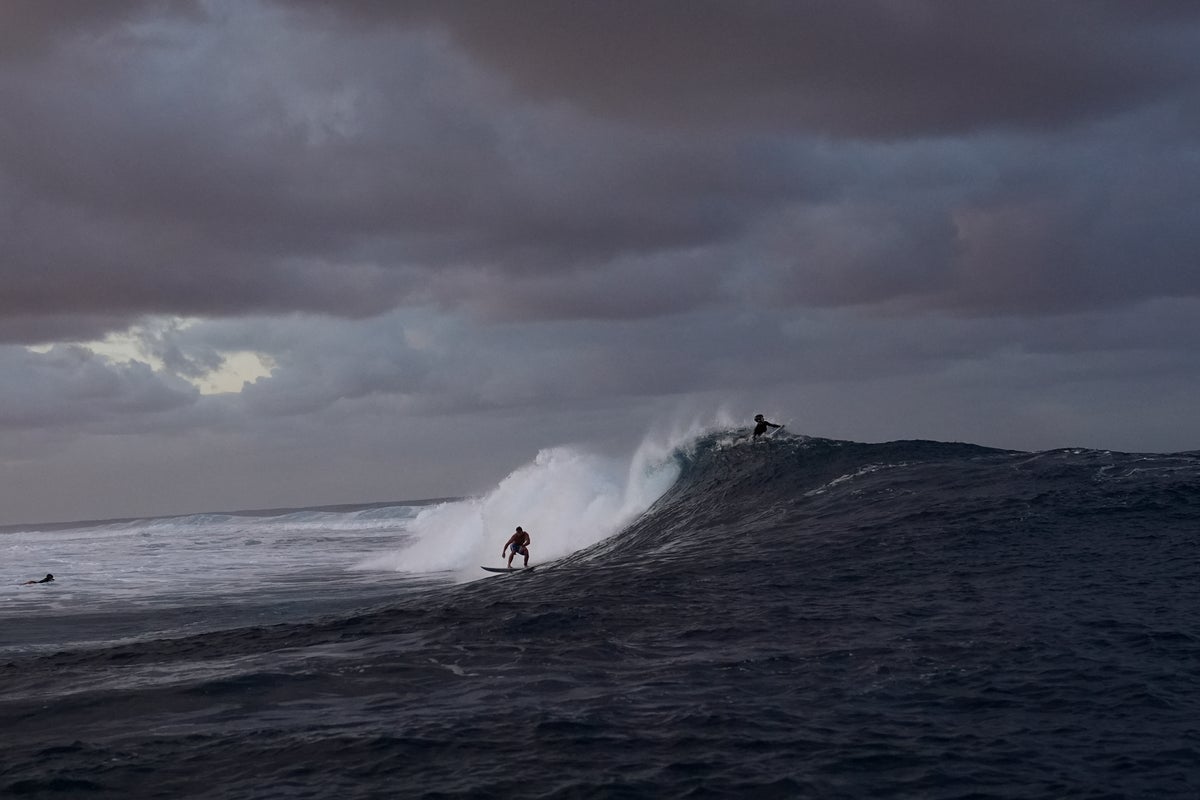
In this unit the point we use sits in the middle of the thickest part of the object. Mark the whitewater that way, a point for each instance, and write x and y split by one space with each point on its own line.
711 617
162 576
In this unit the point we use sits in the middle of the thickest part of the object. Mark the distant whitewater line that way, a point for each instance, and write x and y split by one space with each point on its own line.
339 508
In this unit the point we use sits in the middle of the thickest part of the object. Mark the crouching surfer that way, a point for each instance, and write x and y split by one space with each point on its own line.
761 425
517 543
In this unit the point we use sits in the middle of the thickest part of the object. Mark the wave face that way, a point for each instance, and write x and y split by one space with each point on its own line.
792 618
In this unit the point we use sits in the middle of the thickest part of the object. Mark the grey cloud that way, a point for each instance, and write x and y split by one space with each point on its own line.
514 163
626 288
71 387
140 179
1003 225
853 253
31 328
315 362
159 339
29 27
422 365
873 69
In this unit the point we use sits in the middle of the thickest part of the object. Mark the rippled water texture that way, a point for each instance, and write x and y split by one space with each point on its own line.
793 618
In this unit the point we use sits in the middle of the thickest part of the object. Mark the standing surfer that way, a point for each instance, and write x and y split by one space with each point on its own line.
761 425
517 543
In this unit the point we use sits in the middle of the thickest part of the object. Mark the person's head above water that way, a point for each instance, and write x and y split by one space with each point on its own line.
519 529
48 577
758 417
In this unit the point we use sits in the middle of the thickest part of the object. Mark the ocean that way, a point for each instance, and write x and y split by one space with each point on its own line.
714 618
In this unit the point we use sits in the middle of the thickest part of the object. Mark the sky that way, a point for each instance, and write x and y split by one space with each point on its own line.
266 253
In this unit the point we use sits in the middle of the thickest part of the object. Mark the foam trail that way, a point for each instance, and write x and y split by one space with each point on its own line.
566 499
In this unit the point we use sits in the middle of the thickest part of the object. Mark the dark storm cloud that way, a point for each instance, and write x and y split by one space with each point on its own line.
212 167
873 68
1006 225
30 27
1078 114
33 328
545 160
132 186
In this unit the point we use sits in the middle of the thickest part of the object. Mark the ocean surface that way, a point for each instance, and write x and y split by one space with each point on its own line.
795 617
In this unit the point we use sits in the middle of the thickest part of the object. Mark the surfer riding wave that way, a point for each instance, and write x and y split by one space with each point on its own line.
517 543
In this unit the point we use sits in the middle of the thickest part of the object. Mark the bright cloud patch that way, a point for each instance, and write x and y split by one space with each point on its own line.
154 345
236 370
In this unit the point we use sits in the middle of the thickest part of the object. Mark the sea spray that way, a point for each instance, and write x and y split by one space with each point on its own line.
567 499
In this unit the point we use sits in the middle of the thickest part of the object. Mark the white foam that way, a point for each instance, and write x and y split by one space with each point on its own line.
179 561
566 499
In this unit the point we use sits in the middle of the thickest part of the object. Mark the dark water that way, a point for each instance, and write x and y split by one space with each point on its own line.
797 618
